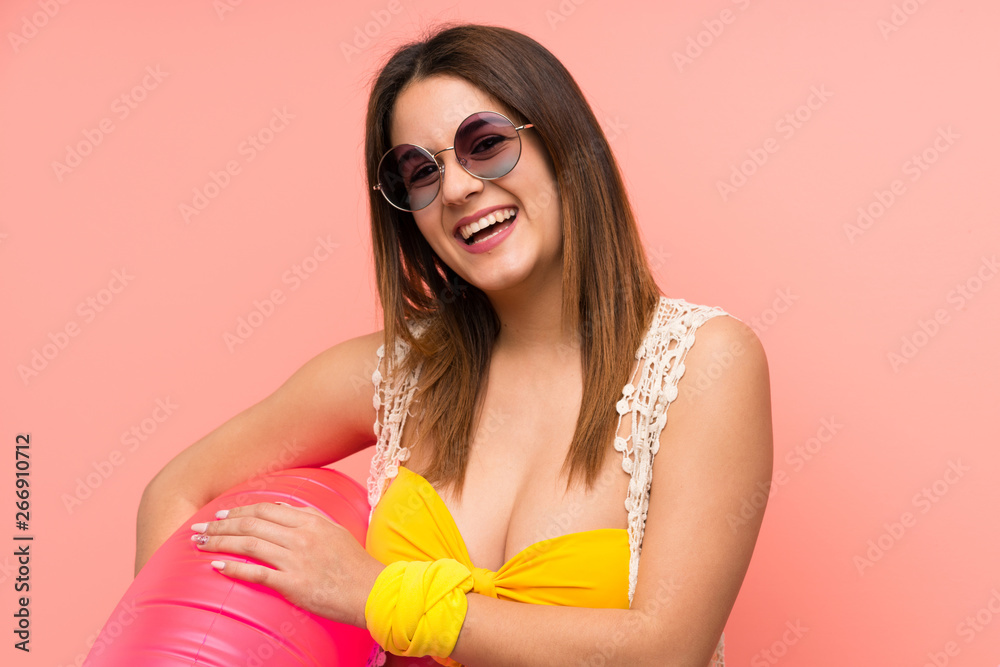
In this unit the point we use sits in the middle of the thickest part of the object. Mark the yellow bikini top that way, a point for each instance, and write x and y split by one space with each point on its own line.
583 569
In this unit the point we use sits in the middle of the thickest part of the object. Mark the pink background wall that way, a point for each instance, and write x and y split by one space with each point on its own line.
881 334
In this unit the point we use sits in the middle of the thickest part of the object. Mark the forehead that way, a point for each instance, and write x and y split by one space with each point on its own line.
429 110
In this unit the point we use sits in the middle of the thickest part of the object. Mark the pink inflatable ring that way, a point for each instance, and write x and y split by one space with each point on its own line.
185 613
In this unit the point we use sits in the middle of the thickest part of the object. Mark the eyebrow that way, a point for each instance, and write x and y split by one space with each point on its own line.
409 155
474 125
479 123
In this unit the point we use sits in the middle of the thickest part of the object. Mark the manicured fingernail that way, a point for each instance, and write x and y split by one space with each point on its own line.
200 538
199 527
222 514
218 564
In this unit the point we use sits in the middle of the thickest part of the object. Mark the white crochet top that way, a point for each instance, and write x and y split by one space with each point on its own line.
645 399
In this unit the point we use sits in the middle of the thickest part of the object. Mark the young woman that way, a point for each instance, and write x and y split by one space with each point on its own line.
524 375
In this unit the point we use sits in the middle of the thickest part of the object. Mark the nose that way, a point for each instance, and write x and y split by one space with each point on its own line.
457 185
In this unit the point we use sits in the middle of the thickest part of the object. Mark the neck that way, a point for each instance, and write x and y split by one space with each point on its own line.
531 322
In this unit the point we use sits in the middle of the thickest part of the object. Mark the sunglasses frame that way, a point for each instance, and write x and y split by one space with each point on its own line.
440 165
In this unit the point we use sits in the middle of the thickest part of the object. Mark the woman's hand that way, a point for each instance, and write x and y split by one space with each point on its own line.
316 564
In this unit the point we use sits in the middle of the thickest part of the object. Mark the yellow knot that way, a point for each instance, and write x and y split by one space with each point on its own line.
482 581
417 608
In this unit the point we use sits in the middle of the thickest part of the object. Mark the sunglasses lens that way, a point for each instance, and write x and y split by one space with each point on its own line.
408 177
487 145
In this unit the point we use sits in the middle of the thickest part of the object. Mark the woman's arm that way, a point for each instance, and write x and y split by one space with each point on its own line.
715 453
321 414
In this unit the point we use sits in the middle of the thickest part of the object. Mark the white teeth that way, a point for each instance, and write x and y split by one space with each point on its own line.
484 222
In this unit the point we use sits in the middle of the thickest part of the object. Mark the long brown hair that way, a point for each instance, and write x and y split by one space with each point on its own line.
609 293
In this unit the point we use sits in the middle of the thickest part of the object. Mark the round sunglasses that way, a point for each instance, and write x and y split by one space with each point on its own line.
487 145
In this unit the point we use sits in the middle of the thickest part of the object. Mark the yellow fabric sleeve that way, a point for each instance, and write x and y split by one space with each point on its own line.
417 608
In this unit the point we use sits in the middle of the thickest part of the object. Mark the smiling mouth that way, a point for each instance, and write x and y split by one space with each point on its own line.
487 226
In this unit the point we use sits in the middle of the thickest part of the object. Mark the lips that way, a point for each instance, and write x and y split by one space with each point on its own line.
488 222
477 216
491 234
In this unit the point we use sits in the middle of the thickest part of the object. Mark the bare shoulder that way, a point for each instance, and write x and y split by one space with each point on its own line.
726 380
715 452
725 341
338 381
357 354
